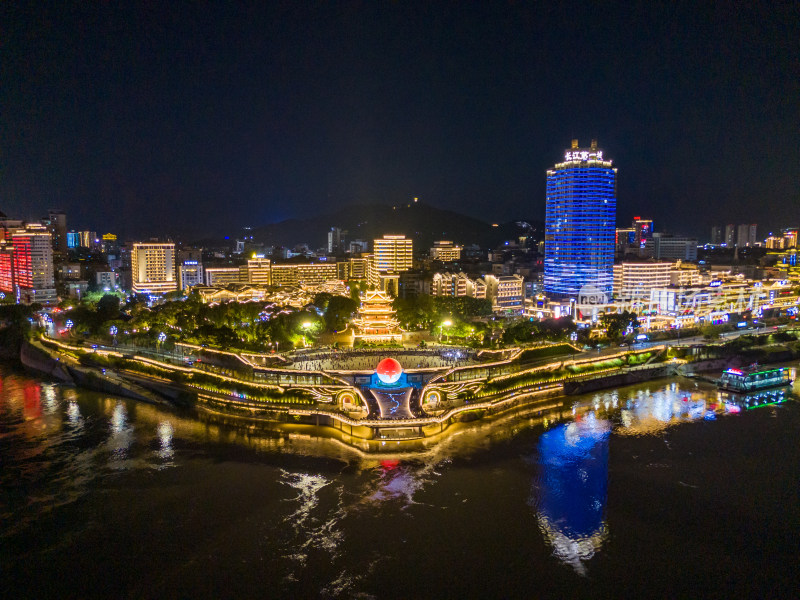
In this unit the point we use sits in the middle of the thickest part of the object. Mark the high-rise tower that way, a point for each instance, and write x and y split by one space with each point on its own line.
579 224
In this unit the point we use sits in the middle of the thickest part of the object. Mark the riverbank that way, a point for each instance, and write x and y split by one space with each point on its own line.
461 395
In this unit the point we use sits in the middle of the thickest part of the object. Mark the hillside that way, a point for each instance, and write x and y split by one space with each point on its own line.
420 221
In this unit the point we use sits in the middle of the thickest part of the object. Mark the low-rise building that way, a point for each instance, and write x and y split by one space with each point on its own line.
507 292
107 280
309 274
221 276
445 251
257 271
665 246
69 271
638 278
457 284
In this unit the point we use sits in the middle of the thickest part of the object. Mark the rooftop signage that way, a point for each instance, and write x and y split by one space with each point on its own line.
583 155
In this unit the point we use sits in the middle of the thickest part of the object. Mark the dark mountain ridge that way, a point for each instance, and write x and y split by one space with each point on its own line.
421 222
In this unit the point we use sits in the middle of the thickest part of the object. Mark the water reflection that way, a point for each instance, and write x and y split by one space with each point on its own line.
310 531
648 412
32 392
74 413
121 437
164 432
327 510
571 490
400 481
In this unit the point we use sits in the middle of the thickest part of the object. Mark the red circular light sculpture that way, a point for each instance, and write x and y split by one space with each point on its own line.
389 371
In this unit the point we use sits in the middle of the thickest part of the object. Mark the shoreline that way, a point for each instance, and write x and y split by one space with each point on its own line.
368 435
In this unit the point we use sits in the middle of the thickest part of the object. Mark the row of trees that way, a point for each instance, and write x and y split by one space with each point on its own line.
537 331
429 312
248 325
261 326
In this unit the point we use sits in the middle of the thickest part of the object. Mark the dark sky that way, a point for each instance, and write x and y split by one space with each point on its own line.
166 117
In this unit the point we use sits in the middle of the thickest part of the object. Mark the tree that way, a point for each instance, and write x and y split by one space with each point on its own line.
416 313
538 330
356 287
711 332
338 312
463 307
108 307
617 324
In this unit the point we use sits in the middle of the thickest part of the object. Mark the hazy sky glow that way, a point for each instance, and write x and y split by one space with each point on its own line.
150 119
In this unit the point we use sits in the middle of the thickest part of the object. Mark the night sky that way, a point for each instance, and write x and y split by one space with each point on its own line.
153 119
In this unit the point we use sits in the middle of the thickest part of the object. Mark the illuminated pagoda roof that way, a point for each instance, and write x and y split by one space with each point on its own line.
376 320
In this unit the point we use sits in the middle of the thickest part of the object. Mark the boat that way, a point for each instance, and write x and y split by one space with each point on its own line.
753 379
736 402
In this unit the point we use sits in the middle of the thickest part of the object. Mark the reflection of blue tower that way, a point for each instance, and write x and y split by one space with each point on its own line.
573 488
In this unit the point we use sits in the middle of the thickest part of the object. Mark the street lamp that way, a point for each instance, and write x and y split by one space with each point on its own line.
446 323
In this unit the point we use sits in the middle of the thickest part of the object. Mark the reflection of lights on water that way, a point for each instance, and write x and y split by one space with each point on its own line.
312 532
573 551
73 413
50 398
648 413
307 487
32 395
572 489
119 418
696 411
400 482
164 432
662 407
121 435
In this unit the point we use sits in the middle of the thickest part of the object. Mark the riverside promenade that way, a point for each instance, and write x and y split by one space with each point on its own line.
432 388
461 385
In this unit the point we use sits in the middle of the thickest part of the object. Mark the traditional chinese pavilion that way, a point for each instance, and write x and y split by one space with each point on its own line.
376 320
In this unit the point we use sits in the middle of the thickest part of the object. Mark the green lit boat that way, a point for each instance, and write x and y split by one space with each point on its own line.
753 379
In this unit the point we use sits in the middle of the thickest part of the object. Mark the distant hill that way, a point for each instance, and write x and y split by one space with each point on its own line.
422 222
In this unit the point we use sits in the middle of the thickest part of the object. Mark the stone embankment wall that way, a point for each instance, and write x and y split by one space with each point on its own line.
618 379
37 360
41 362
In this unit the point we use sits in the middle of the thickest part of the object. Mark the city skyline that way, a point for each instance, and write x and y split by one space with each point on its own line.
161 120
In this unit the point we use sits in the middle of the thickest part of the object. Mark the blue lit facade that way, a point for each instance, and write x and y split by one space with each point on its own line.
580 224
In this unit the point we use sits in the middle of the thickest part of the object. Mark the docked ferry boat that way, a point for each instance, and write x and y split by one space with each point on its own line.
753 379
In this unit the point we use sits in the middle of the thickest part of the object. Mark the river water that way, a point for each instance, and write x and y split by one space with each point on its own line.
655 490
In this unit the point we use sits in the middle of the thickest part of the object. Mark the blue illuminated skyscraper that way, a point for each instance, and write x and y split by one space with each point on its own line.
579 225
